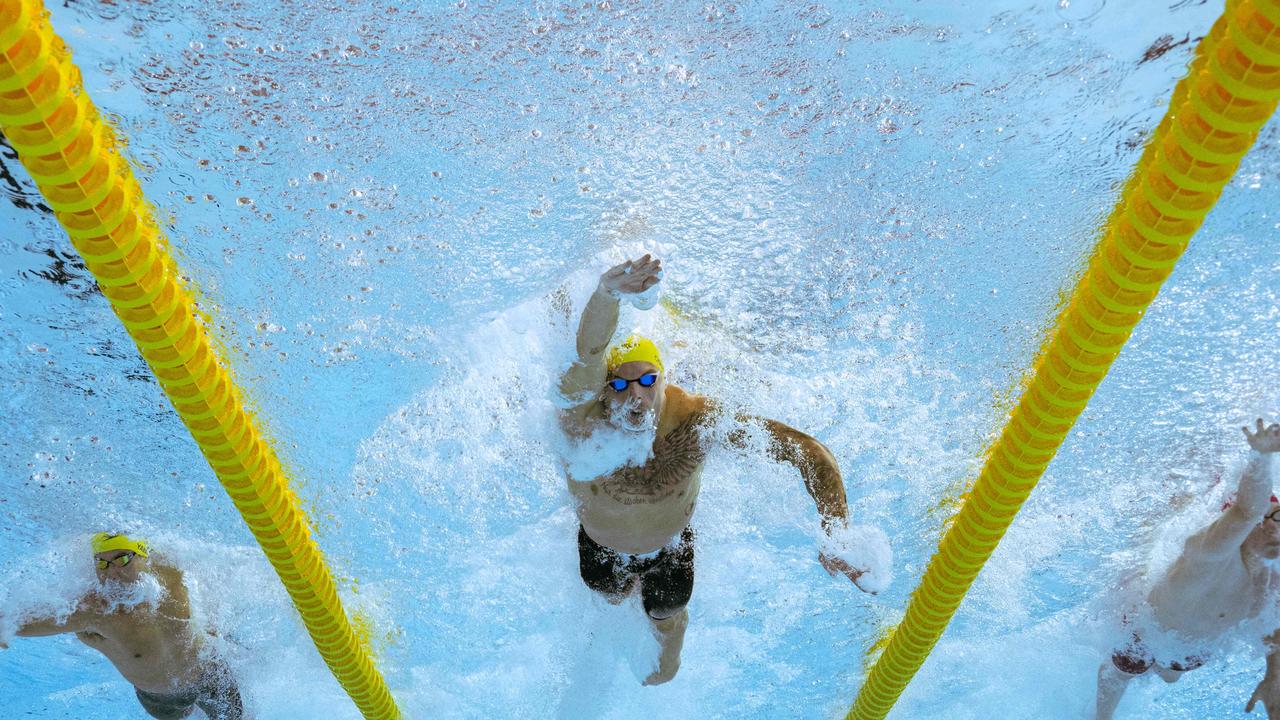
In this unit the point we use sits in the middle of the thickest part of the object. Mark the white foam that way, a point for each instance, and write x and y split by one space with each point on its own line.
864 548
147 590
646 300
605 450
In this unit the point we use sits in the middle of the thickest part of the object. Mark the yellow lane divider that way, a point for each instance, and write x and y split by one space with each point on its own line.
75 159
1213 119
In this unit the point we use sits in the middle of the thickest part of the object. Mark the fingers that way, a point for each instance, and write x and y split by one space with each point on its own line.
834 565
854 575
648 263
1259 431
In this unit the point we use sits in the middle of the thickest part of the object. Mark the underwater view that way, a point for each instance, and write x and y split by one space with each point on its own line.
754 283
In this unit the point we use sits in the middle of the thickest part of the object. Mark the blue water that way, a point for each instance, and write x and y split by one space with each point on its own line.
867 214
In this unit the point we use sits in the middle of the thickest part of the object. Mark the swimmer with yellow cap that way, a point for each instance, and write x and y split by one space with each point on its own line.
116 555
635 490
104 542
139 616
634 349
634 389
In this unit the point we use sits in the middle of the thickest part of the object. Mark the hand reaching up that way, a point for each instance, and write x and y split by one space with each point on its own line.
1266 439
632 277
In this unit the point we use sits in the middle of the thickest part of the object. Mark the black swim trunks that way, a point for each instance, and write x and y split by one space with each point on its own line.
666 579
216 694
1135 658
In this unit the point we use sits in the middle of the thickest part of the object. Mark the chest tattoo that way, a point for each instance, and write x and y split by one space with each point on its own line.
675 458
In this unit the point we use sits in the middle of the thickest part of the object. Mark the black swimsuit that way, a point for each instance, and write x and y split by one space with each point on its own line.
666 579
216 694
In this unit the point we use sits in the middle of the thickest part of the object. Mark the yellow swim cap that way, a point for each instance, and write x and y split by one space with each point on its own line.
635 349
104 542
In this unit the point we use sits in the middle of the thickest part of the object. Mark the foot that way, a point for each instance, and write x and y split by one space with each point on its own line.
664 673
671 638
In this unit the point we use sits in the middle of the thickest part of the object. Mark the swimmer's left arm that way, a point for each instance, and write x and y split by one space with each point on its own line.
822 479
817 466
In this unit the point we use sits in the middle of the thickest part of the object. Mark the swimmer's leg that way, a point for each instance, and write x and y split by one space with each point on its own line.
1114 676
603 569
670 631
666 588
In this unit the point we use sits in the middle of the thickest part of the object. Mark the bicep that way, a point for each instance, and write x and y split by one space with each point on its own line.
43 627
790 445
1223 536
582 380
576 421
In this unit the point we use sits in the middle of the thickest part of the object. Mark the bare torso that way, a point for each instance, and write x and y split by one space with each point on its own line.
1233 591
152 646
640 509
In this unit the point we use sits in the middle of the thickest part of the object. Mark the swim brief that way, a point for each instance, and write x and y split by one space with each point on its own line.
216 694
1136 658
665 577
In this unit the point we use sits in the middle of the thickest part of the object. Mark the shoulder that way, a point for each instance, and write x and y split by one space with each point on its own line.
171 578
681 407
1222 537
580 420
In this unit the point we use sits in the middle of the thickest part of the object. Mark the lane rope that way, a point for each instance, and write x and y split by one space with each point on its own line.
74 156
1230 92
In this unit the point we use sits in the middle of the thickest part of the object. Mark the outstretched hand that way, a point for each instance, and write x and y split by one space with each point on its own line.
835 565
632 277
1265 439
1268 691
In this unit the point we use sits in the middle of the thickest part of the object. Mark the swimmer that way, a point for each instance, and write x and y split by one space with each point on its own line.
1225 574
634 533
150 643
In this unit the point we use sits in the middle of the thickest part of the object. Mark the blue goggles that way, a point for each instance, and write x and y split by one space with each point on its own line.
621 384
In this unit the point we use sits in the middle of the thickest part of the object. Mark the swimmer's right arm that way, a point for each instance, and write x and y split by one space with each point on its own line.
1268 690
1253 497
600 321
77 621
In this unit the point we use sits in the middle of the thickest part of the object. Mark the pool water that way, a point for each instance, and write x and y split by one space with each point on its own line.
867 213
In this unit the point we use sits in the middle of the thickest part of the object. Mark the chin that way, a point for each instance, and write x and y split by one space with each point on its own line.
643 426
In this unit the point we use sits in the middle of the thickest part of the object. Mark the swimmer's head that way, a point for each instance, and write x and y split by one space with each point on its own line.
634 349
118 557
635 385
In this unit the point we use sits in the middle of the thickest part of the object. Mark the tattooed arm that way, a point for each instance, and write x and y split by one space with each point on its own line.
822 479
815 462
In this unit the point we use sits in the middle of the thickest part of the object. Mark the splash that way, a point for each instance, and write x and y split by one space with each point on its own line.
864 548
126 596
609 448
